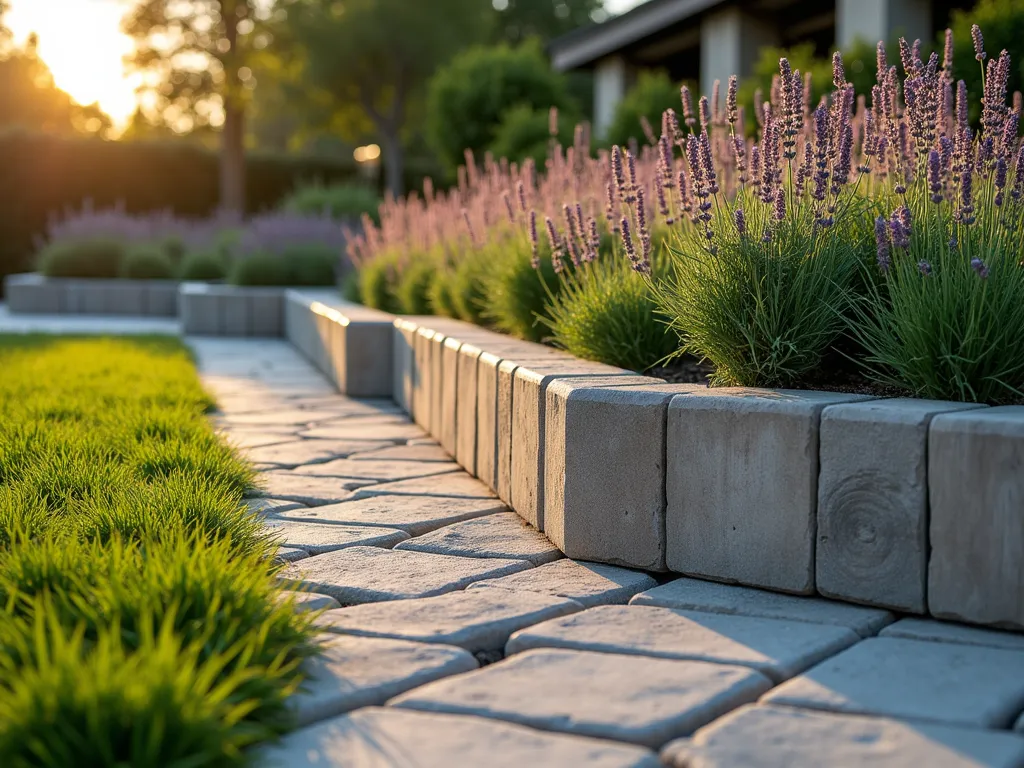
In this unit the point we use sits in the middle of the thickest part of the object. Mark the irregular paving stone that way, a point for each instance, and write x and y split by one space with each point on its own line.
247 440
383 470
709 596
453 484
307 601
290 554
413 451
625 698
504 534
353 672
267 507
309 490
589 584
777 649
374 738
295 416
945 632
299 452
318 538
779 737
341 430
479 620
939 682
415 514
368 574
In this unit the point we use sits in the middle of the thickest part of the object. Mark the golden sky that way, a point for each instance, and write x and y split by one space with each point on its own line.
81 42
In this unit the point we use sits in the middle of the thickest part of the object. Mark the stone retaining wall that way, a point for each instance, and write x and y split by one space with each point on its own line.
912 505
36 294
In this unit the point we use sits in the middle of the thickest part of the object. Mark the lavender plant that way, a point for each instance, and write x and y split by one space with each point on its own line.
946 319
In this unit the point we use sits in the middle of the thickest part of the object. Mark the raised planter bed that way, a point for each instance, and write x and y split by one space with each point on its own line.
209 309
33 293
906 504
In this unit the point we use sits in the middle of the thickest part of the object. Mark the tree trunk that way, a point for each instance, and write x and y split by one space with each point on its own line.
394 161
232 159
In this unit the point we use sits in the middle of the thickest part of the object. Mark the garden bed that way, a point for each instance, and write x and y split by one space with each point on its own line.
908 504
140 620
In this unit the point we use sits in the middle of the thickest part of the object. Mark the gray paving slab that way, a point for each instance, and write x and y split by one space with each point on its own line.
307 601
296 417
318 538
413 451
947 632
285 484
354 672
633 699
777 649
267 507
479 620
453 484
340 430
299 452
913 679
369 574
503 534
712 597
589 584
247 440
780 737
382 470
376 738
415 514
290 554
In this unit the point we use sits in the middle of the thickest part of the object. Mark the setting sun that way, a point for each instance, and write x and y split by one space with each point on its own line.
82 44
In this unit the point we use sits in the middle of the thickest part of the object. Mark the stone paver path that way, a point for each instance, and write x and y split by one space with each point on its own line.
456 635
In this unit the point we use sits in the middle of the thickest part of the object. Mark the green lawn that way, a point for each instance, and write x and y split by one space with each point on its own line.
138 620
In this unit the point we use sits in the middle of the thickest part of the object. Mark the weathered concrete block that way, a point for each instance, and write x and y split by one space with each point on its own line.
88 296
436 420
742 485
502 535
422 394
466 404
200 310
299 323
976 490
32 294
125 297
404 364
486 440
503 456
589 584
447 433
529 386
604 463
235 312
947 632
623 698
872 544
161 298
324 320
266 310
780 737
359 352
949 683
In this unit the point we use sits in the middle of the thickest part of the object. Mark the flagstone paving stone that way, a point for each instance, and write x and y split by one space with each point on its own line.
780 737
355 672
947 632
301 452
284 484
381 470
454 484
308 601
318 538
625 698
912 679
375 738
504 534
287 554
777 649
340 430
368 574
265 506
415 514
479 620
428 452
589 584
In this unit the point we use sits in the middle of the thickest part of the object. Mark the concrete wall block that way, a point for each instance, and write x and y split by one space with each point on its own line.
235 313
487 420
528 387
872 543
299 326
25 293
604 463
466 404
266 312
199 310
161 299
421 394
976 492
323 325
436 376
368 360
450 386
742 487
125 297
91 296
404 363
503 456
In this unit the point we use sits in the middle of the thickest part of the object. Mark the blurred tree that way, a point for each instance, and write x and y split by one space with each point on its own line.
366 61
467 100
1002 27
525 132
519 20
652 94
199 59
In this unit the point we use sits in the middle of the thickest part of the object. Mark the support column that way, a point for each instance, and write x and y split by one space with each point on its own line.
874 20
609 90
730 41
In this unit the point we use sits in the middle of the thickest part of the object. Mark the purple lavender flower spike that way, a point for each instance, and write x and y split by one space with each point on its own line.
979 267
704 109
1000 180
730 101
687 100
979 42
935 176
741 222
947 54
508 207
617 174
716 88
924 268
838 71
534 245
881 62
882 243
779 207
1017 191
627 241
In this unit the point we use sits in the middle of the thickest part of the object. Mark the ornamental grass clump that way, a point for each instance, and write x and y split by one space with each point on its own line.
945 318
761 264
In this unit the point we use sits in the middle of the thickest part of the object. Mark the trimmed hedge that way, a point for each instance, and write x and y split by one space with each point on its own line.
45 174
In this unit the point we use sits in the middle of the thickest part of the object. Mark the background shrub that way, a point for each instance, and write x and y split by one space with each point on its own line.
652 94
517 294
260 268
378 283
340 201
412 290
311 264
203 266
86 257
524 132
147 262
